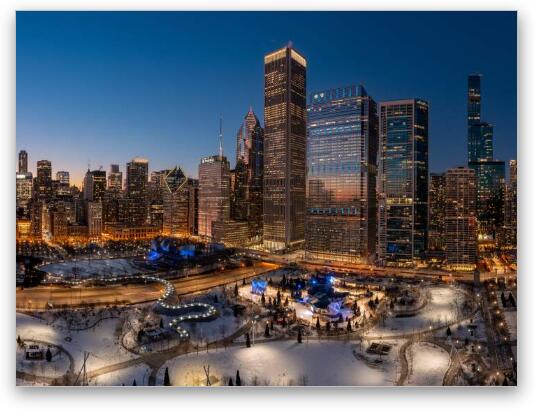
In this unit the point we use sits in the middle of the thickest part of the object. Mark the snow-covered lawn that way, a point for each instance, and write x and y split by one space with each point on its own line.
282 363
427 364
57 367
443 307
86 268
101 341
123 376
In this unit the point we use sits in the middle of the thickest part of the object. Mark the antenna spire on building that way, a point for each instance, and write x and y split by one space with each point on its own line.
220 138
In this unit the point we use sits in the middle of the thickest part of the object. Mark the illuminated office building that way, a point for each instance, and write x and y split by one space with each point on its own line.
137 172
510 205
403 181
437 207
94 219
43 181
175 194
460 219
284 149
214 193
115 178
342 139
99 184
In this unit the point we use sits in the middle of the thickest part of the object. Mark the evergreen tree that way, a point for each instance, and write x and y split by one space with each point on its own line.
328 326
349 329
230 383
504 302
247 340
263 299
166 381
236 290
278 297
448 332
391 304
161 322
286 302
243 282
511 300
134 383
216 300
505 383
376 300
318 326
238 379
266 331
299 336
48 355
19 340
271 325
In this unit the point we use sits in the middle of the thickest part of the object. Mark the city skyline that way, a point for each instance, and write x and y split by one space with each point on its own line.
118 113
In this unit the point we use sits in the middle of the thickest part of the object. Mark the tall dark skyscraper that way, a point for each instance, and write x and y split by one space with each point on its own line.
137 175
489 173
248 184
176 201
342 139
99 184
23 162
43 180
403 186
284 149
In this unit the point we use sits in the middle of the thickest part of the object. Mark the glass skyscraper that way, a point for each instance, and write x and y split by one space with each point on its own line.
342 138
284 149
403 181
248 183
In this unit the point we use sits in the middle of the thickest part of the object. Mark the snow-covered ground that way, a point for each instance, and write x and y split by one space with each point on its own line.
123 377
427 364
443 307
57 367
101 341
87 268
283 363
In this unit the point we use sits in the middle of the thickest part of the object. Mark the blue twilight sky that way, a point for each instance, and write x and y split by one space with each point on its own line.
104 87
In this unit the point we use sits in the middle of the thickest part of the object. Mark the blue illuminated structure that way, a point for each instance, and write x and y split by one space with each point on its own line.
258 286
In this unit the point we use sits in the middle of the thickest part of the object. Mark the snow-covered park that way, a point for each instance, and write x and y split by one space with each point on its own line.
92 268
102 341
444 306
284 363
427 364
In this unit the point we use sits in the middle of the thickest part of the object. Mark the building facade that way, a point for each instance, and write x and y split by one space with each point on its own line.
403 182
115 178
342 141
460 219
285 73
437 208
247 197
214 193
137 174
176 200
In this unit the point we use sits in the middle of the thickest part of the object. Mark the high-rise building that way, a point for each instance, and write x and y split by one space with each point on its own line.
59 221
342 139
24 193
214 193
115 178
480 134
23 162
63 177
137 173
43 180
403 181
490 187
510 206
284 149
247 201
94 219
87 186
437 207
99 184
176 200
460 219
